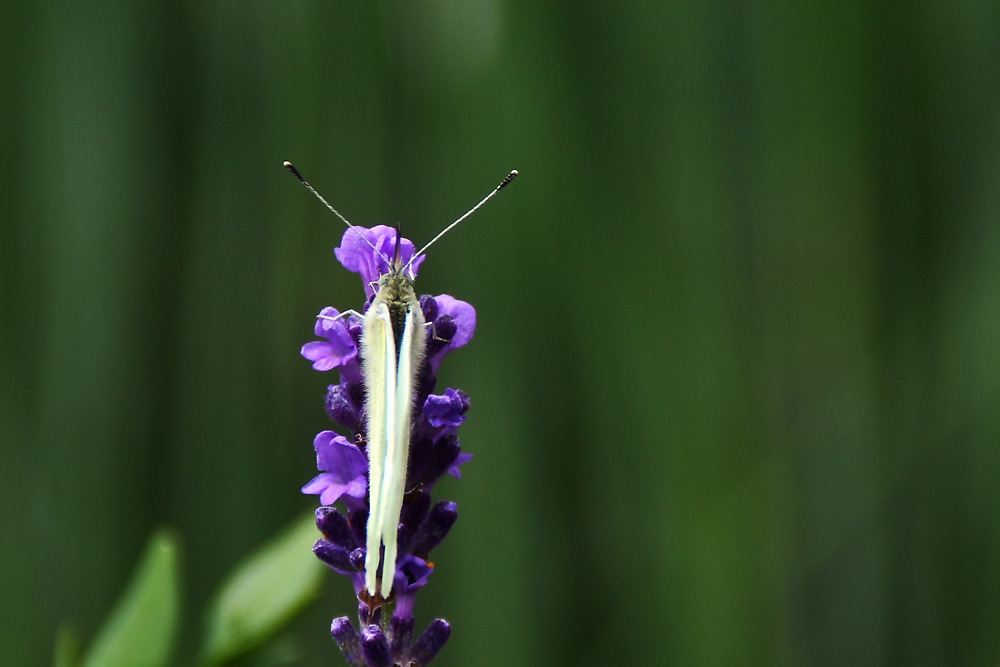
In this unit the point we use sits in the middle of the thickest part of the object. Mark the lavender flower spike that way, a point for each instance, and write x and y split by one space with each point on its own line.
384 633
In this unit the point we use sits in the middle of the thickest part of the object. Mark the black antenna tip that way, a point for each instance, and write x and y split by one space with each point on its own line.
505 182
291 167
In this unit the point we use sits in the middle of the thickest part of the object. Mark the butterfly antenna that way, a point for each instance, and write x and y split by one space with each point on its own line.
504 183
295 172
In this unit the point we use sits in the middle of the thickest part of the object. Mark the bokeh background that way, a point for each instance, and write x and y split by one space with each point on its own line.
736 375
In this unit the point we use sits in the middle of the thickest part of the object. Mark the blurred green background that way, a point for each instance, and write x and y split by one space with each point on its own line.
736 375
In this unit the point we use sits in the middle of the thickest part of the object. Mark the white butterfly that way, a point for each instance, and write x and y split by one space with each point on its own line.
393 341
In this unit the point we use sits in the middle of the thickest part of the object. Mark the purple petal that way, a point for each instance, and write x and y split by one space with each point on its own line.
446 412
367 252
344 468
464 315
329 490
339 347
459 460
453 325
411 572
321 354
324 485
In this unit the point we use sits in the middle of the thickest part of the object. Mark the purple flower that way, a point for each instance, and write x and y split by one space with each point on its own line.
367 253
411 575
462 313
340 349
345 469
446 412
452 324
385 627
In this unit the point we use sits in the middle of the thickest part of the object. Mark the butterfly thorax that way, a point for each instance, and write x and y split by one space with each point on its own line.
396 291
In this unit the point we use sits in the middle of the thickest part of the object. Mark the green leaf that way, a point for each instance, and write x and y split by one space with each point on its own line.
67 652
141 629
264 592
